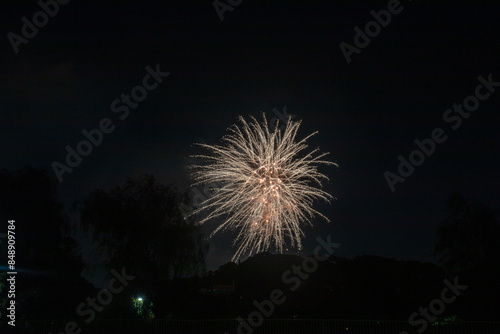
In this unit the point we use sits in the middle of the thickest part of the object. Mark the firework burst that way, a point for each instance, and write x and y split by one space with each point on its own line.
266 185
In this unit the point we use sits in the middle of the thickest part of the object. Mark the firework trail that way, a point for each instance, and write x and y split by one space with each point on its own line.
268 185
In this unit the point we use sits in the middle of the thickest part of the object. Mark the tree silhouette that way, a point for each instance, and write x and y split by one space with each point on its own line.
139 225
468 237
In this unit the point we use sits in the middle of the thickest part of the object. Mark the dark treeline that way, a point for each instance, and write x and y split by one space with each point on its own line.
366 287
138 226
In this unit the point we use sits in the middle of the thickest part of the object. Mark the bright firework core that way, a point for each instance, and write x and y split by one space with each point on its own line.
269 185
269 177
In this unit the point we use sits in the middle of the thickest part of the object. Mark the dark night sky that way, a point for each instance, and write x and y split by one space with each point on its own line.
264 55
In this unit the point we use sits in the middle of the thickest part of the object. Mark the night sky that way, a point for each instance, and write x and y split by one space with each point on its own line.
264 56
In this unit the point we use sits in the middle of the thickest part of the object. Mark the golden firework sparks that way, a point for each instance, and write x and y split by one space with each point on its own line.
268 185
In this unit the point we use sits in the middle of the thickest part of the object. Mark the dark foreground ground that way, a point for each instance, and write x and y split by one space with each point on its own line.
231 326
